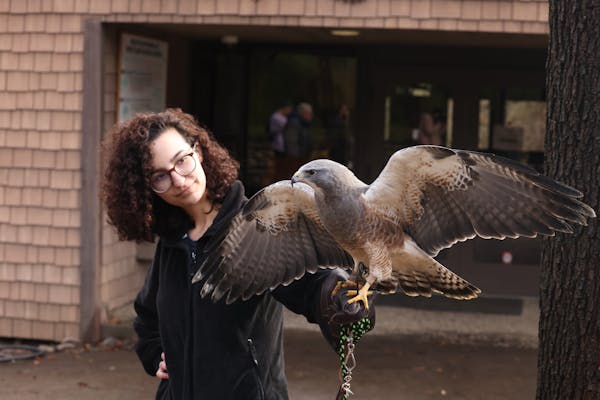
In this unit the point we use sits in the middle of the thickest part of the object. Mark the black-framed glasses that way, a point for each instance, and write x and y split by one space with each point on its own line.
161 181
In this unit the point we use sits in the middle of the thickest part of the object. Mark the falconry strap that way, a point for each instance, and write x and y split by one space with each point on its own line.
349 337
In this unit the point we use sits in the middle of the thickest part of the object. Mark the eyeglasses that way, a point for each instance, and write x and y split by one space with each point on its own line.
161 181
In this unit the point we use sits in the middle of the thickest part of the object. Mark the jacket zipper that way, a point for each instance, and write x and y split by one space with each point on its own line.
252 351
254 359
194 254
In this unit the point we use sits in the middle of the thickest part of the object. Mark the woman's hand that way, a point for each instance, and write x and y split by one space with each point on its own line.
335 311
162 368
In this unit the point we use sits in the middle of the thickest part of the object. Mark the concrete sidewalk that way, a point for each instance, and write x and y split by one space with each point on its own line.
388 366
412 354
518 329
451 326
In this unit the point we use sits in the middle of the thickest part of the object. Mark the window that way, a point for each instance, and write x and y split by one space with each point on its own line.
416 114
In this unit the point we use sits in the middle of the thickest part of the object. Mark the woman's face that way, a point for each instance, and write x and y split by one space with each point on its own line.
168 151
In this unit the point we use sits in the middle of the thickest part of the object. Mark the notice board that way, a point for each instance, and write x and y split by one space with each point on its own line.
142 75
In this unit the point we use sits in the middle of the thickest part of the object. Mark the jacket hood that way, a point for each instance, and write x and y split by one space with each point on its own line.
232 203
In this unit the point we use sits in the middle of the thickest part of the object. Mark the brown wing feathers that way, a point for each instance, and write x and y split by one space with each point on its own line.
440 195
557 203
270 242
501 199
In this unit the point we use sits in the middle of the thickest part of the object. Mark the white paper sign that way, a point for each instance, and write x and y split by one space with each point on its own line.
142 75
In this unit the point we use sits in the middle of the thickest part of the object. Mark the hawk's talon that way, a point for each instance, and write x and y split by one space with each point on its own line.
355 292
343 285
362 296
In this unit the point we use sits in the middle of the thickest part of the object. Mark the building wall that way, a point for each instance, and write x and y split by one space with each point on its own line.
121 276
40 141
41 76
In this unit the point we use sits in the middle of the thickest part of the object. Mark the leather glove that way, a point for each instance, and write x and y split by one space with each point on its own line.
335 312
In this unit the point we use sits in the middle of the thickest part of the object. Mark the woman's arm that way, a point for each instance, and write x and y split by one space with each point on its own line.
312 297
303 296
149 345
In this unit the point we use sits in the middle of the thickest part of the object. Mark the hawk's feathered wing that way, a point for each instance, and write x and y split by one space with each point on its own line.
276 238
443 196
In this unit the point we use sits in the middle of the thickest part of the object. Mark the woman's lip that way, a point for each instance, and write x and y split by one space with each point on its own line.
184 192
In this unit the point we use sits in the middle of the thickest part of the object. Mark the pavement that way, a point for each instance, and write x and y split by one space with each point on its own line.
412 354
500 321
519 329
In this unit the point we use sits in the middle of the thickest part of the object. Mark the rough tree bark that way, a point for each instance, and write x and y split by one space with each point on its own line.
569 352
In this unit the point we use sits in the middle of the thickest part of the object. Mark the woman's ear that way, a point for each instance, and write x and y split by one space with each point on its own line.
198 151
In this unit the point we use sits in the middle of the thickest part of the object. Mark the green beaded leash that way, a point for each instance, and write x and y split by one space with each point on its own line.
349 337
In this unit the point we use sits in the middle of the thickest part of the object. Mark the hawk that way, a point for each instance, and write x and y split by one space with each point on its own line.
426 198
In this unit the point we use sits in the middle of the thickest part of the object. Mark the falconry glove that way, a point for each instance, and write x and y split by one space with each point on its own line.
335 311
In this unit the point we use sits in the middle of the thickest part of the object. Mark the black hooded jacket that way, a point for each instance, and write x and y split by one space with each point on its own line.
215 351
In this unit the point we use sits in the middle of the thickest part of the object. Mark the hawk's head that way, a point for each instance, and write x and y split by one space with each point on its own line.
326 176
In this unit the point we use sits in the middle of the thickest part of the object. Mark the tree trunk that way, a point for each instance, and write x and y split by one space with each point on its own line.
569 330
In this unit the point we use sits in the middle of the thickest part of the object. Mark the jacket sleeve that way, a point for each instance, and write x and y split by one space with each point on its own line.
312 296
304 295
149 345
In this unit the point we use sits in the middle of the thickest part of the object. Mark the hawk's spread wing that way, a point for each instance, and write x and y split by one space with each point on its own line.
275 239
443 196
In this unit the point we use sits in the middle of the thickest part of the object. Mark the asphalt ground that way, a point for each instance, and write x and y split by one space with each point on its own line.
412 354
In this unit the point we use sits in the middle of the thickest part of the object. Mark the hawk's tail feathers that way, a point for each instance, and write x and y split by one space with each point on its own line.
451 285
439 279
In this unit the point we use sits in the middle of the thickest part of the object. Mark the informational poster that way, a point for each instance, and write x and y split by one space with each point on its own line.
142 87
142 75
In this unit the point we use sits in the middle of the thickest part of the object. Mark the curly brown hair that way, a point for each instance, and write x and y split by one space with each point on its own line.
132 206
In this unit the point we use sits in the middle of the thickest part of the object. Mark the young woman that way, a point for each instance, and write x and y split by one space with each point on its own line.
166 176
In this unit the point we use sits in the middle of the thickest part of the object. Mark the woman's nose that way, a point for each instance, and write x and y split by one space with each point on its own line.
177 179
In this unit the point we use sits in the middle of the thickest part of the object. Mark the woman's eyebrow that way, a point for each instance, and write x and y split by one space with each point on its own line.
172 160
176 155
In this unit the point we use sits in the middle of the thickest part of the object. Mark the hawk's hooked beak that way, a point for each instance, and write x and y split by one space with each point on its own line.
295 178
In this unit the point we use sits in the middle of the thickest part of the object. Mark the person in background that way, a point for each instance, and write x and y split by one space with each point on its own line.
432 128
339 139
166 176
277 122
297 133
298 143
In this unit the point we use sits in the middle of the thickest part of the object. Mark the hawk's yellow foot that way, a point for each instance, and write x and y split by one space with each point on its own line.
355 292
362 296
343 285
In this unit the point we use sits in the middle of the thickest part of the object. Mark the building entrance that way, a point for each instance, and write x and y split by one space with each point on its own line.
463 105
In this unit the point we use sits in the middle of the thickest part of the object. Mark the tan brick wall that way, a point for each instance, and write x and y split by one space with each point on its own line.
512 16
41 61
40 179
121 276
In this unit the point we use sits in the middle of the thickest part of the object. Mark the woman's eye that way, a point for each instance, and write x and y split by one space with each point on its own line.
159 177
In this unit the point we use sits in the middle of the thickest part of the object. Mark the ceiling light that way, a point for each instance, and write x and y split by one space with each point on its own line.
230 40
345 32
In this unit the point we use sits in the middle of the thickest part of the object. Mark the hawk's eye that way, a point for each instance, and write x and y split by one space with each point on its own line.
311 172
